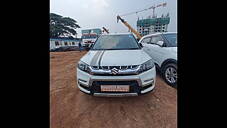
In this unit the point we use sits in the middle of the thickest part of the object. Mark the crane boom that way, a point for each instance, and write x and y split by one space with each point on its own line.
104 29
152 7
159 5
130 28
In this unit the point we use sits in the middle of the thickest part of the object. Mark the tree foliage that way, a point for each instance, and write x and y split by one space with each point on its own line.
62 26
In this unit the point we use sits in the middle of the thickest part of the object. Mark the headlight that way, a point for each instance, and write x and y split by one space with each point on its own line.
146 66
83 66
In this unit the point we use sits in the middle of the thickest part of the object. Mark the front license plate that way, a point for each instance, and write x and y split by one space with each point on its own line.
115 88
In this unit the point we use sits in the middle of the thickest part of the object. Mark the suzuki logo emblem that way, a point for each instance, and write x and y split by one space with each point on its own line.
114 71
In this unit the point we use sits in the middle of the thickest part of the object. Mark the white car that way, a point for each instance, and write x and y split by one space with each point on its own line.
162 47
116 65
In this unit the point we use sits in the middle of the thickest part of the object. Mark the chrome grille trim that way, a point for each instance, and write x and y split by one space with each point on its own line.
118 67
106 70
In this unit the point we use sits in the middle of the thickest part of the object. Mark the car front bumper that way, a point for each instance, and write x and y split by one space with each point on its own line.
139 84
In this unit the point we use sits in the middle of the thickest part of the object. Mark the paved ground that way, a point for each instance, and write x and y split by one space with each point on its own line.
70 108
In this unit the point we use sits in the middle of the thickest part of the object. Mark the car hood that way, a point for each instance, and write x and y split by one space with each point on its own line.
115 57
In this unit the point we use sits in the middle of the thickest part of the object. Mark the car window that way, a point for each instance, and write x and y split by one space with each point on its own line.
155 39
146 40
115 42
172 39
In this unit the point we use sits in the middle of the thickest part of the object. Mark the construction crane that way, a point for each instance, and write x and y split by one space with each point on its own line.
105 30
129 27
159 5
152 7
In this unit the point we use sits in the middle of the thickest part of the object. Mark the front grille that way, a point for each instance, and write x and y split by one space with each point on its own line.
117 67
130 74
133 86
114 70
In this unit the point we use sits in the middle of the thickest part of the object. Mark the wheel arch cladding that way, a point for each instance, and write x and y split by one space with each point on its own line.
168 61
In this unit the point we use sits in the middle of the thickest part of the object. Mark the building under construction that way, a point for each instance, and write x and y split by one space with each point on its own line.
152 25
149 25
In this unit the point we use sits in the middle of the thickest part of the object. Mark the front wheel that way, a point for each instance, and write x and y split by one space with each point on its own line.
170 74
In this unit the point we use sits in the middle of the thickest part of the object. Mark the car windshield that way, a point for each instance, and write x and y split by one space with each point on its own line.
116 42
172 39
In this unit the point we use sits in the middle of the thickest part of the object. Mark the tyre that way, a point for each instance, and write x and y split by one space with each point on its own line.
169 74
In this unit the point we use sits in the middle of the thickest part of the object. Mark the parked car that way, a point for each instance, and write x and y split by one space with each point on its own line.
73 48
60 49
116 65
65 48
162 47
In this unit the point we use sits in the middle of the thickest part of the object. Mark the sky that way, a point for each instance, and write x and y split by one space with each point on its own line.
103 13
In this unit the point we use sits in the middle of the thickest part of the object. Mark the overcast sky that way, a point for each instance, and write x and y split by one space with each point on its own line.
102 13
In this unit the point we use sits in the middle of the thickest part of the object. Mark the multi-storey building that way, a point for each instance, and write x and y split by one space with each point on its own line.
153 25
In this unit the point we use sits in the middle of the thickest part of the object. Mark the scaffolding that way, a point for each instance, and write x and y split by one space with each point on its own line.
152 25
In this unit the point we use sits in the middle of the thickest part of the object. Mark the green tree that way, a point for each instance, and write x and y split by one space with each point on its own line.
62 26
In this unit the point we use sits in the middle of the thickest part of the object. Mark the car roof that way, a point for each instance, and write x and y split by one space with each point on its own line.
158 33
128 33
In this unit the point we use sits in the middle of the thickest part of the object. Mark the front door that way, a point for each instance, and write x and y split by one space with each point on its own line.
156 52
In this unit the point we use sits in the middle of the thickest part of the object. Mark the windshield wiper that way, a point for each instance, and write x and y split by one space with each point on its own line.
116 49
121 48
132 48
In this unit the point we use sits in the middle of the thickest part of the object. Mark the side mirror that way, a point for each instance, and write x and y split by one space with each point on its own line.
141 45
89 47
160 43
